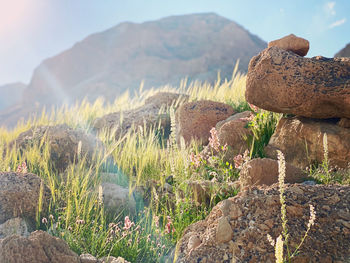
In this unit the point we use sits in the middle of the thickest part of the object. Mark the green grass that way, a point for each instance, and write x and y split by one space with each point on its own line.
143 158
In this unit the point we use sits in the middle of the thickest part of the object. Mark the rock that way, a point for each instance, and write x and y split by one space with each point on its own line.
344 122
117 199
87 258
281 81
193 242
264 171
345 52
195 119
233 132
19 196
63 142
113 260
328 239
15 226
224 231
39 247
297 45
167 99
148 114
301 141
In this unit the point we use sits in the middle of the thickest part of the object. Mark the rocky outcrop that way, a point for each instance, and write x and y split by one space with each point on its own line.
301 141
345 52
150 114
19 197
236 229
39 247
282 81
117 199
64 143
265 172
195 119
297 45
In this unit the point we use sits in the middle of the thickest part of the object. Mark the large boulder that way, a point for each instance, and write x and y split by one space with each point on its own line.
19 198
292 43
264 171
301 141
63 141
194 120
39 247
284 82
236 229
149 115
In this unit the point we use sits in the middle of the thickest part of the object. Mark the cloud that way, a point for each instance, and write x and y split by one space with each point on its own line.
329 8
337 23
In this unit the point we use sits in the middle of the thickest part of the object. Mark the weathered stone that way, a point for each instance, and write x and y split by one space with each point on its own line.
19 196
193 242
224 231
166 99
233 132
117 199
301 141
63 141
87 258
281 81
327 240
15 226
195 119
292 43
113 260
39 247
149 115
265 172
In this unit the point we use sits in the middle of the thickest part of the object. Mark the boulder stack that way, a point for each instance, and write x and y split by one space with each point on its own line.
316 90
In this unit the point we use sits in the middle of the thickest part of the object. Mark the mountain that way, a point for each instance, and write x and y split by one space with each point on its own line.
345 52
11 94
159 52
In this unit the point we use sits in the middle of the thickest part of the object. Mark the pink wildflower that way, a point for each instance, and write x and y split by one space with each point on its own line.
238 160
127 223
169 228
156 220
22 168
195 160
253 107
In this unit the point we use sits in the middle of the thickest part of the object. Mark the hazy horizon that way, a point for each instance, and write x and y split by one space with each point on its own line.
31 32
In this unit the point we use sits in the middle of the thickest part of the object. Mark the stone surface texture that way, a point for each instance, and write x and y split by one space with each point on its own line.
301 141
292 43
19 196
255 213
39 247
151 114
195 119
281 81
63 142
264 171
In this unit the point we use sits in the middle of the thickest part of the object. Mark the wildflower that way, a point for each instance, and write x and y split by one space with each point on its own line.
127 223
129 242
149 238
156 220
224 148
214 141
51 217
238 160
195 160
70 228
80 222
22 168
169 226
253 107
44 220
279 250
312 217
270 239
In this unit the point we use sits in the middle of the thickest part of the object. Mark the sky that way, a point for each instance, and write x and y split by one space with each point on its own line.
32 30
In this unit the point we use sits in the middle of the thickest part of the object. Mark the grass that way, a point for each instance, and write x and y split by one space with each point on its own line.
143 159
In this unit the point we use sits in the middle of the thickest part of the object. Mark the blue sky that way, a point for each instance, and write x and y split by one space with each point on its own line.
32 30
